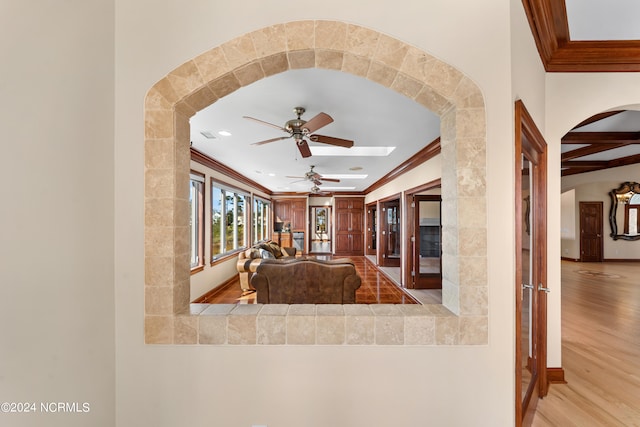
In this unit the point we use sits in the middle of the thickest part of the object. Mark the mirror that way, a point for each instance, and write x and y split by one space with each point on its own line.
624 215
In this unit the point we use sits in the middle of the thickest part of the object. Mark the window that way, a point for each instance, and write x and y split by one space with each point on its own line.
196 220
261 210
228 219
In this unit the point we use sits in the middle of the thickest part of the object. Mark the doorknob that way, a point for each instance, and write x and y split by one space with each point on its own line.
527 286
542 288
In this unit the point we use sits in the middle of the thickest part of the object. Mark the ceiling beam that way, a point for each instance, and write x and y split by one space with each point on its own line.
590 149
601 138
577 166
597 118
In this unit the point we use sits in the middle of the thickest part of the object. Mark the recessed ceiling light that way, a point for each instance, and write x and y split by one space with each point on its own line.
353 151
355 168
224 133
271 174
208 134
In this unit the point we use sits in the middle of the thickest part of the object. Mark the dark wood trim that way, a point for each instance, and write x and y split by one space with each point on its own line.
396 196
556 376
601 138
428 152
409 228
197 269
550 29
226 256
569 259
597 118
578 166
424 187
621 260
530 142
207 161
227 284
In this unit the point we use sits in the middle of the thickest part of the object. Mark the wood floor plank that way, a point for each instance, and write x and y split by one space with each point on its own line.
600 348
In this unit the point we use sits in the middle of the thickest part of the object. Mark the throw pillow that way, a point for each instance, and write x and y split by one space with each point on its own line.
275 249
265 254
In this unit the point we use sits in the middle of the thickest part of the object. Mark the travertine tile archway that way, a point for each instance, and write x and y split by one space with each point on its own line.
169 318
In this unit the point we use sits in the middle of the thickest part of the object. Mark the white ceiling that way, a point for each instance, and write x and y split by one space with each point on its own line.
603 20
363 111
369 114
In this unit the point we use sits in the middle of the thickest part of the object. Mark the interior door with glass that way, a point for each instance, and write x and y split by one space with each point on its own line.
427 247
531 268
391 233
320 230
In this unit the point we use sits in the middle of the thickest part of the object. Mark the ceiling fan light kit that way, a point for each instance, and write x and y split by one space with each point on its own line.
302 131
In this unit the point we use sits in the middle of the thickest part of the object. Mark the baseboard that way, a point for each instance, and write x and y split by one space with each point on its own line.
206 297
555 376
604 260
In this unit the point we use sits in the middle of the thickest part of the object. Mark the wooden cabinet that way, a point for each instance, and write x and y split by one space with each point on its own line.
349 226
298 214
291 211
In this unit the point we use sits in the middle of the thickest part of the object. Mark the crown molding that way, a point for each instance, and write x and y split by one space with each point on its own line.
550 29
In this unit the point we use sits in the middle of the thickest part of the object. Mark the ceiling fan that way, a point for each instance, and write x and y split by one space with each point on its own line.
314 177
301 131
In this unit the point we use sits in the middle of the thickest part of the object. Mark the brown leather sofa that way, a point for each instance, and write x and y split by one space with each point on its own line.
249 260
306 281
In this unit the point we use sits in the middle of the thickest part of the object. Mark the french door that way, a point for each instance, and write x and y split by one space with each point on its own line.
531 266
391 233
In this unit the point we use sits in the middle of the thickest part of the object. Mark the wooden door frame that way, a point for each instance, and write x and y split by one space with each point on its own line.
409 222
601 204
529 141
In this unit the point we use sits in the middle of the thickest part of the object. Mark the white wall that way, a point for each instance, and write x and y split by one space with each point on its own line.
57 211
571 98
595 187
300 385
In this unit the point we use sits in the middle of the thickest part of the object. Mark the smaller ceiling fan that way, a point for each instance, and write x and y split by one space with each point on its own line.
301 131
314 177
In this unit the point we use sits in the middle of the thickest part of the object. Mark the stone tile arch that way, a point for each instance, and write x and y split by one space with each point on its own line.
201 81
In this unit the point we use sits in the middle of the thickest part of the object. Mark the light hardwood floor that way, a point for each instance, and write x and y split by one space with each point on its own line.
600 348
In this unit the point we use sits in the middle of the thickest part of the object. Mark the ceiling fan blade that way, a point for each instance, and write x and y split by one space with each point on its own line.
329 179
265 123
331 140
293 177
304 148
266 141
316 123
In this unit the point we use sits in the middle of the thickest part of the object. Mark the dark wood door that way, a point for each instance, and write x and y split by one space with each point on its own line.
591 241
349 226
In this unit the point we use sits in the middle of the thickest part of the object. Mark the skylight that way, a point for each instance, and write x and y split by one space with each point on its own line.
353 151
